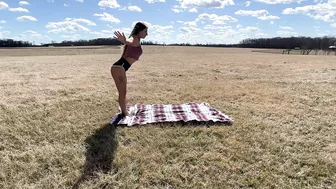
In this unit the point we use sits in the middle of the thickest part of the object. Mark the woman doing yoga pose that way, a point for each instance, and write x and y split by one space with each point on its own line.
131 53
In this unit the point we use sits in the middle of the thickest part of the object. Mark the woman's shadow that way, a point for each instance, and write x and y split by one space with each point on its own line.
100 151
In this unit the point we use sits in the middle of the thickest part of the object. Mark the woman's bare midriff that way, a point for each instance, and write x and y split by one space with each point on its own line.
130 60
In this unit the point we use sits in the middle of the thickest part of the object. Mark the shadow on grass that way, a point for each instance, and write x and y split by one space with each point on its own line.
100 152
101 147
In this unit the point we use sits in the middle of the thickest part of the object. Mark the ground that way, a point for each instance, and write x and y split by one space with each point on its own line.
56 104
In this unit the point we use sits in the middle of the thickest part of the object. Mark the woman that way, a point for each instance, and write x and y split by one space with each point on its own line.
131 53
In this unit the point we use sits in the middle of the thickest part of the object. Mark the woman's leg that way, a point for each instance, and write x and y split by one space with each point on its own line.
120 80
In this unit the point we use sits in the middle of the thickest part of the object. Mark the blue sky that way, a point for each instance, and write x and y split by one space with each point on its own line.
169 21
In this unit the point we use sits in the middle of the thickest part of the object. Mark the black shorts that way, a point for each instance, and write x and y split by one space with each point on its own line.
122 63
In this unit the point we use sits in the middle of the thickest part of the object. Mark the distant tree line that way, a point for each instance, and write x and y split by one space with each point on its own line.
321 43
82 42
151 43
13 43
277 42
205 45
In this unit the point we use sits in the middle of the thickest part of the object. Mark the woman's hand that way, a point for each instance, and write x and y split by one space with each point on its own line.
120 37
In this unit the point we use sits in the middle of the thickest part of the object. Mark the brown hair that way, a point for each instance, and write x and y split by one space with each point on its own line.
139 26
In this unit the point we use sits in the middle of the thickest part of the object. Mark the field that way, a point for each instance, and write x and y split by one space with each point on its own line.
56 103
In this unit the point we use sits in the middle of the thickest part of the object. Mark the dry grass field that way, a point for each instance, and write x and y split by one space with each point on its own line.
56 103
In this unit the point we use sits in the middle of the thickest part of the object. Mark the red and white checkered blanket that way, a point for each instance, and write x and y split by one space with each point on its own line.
157 113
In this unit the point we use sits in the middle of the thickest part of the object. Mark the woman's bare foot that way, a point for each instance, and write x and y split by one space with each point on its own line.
125 114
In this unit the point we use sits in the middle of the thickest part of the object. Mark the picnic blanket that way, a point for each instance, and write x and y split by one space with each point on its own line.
141 114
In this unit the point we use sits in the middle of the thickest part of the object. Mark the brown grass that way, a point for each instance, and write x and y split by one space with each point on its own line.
54 112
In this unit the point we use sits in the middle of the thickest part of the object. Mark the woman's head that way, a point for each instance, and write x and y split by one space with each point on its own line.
139 30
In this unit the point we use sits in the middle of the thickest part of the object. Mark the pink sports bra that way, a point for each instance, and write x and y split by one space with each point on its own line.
133 52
